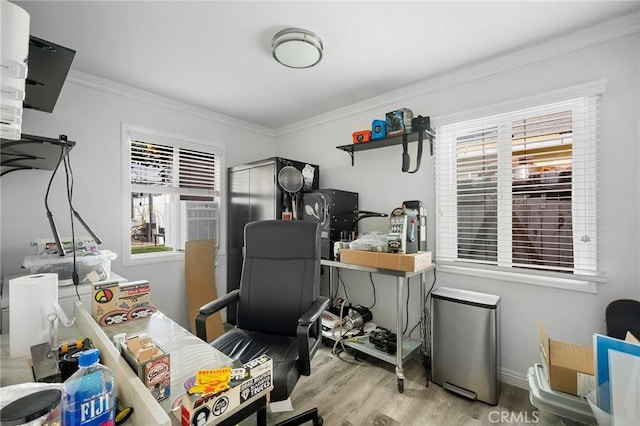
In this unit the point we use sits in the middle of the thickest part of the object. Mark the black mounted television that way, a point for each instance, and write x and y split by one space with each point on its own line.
48 66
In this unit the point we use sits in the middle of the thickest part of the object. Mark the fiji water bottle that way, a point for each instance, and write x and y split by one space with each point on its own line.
89 394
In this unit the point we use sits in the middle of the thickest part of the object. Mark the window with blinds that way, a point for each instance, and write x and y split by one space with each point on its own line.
518 190
174 193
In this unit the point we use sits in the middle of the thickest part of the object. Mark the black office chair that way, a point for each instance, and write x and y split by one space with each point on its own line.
278 305
623 315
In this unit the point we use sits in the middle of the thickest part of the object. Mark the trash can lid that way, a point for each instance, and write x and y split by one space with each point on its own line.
30 407
483 300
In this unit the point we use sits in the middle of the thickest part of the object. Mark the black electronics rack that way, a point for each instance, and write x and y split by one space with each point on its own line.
336 211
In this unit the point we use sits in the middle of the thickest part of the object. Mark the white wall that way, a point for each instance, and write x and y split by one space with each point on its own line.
376 176
92 118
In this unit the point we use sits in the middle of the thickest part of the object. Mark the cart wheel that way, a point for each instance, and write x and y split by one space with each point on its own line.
319 421
400 385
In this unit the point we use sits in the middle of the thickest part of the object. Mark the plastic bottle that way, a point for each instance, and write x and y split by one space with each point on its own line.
89 394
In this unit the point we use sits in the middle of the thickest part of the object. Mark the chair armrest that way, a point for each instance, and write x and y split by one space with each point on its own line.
314 311
211 308
306 321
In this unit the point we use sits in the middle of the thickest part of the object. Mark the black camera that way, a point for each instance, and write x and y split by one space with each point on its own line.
420 123
383 340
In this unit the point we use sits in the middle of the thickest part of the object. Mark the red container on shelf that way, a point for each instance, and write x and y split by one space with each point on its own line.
362 136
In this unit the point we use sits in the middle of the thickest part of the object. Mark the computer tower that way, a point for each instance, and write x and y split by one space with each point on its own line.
336 211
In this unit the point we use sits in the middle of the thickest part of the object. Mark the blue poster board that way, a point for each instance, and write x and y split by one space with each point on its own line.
602 347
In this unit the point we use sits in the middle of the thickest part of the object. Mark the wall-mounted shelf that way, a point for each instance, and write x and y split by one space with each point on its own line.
389 141
32 152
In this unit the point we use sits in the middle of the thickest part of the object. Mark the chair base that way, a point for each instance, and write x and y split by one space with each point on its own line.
307 416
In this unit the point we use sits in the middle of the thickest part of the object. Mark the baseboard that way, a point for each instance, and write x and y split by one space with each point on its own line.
514 378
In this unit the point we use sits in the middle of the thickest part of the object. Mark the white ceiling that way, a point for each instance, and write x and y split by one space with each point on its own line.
217 55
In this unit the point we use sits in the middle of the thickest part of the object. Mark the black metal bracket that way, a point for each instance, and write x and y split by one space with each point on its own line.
32 152
390 141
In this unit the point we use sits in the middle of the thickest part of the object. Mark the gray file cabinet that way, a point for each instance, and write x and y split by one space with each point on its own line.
466 343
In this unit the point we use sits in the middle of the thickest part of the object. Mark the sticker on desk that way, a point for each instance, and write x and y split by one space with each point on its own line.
209 382
254 386
189 383
177 403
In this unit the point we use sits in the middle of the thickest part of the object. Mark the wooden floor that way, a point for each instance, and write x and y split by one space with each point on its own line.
363 392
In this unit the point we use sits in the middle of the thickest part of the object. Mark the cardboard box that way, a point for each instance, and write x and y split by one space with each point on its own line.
115 303
151 363
200 284
394 261
568 366
202 410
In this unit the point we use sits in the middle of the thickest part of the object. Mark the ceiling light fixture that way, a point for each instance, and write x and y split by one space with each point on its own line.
297 48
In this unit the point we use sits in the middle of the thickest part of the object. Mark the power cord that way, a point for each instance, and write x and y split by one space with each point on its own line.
69 180
335 295
343 285
341 333
425 308
52 222
64 158
374 290
425 332
406 307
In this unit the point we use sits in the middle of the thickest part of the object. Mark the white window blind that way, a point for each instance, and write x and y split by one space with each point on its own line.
519 189
164 175
172 169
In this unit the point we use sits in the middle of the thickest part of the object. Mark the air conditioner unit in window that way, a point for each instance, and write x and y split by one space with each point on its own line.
198 221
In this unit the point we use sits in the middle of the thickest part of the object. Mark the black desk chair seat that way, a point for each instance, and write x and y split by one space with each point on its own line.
278 305
283 351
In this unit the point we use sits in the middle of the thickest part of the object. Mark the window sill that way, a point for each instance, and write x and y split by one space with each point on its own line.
159 257
572 284
149 258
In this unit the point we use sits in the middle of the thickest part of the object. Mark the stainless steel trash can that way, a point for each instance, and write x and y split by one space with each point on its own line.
465 343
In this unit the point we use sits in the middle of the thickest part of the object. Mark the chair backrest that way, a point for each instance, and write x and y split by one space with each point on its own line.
280 275
623 315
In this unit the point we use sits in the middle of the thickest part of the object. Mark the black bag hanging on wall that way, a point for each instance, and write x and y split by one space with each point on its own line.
418 124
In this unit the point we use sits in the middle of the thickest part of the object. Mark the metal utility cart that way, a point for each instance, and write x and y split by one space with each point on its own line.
404 347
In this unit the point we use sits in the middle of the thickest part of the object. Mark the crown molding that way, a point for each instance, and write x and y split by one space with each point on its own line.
109 86
600 33
606 31
591 88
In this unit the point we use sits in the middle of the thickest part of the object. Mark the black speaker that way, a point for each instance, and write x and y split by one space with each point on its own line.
378 129
335 210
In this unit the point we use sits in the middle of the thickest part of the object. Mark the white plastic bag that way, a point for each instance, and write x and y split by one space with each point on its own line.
372 241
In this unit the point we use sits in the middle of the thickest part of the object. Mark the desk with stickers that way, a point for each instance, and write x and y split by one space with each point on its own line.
187 356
